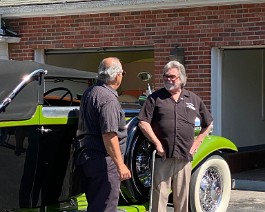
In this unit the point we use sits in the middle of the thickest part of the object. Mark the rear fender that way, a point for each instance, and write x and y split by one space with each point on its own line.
212 144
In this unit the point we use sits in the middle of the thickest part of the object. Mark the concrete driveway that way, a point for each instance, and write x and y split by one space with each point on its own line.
246 201
248 192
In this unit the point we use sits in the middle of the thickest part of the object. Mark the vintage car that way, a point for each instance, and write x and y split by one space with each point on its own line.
38 120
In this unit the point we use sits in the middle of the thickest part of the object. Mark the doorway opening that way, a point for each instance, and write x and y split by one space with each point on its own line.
134 61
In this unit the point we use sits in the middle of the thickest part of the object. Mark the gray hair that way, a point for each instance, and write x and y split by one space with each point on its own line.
179 67
108 72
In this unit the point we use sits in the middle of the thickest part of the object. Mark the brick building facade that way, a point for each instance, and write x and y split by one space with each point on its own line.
197 30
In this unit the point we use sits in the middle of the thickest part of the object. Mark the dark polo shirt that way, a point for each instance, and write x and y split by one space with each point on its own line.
173 122
101 112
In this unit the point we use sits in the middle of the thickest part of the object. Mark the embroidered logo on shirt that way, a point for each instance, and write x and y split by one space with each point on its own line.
191 106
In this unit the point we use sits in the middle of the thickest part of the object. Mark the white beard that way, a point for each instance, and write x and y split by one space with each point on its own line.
170 86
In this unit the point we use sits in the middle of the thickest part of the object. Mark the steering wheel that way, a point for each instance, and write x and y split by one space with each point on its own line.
67 92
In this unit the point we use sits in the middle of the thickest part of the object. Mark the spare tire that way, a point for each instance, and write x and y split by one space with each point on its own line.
138 159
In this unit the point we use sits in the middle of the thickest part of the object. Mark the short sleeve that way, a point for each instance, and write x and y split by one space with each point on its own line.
206 117
109 117
146 112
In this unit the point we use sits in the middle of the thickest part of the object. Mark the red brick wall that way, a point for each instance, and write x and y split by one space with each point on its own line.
197 30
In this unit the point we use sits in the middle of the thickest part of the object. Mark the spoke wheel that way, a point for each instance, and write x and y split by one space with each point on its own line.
210 186
142 163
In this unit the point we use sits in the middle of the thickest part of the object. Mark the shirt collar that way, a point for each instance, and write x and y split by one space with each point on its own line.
185 93
103 84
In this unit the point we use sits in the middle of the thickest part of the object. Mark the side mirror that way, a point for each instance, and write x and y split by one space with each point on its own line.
144 76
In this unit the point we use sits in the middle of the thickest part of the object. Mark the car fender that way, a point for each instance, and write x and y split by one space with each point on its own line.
210 145
128 192
132 130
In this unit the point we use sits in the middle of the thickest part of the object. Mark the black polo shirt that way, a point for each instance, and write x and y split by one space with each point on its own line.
173 121
101 112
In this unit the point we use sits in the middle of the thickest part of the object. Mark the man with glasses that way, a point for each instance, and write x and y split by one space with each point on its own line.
102 124
167 119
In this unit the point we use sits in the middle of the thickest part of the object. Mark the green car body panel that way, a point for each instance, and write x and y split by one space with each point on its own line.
39 118
34 120
210 145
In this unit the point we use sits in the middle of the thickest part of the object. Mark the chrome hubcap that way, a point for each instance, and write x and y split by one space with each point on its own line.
211 189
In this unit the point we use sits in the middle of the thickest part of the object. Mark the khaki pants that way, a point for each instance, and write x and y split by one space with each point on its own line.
171 174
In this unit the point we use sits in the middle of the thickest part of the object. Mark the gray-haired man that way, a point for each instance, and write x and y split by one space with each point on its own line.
102 121
167 120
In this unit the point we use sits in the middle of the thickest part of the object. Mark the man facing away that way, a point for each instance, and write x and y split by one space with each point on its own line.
167 119
102 121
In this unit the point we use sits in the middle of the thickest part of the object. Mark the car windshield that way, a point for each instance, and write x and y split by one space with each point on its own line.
64 92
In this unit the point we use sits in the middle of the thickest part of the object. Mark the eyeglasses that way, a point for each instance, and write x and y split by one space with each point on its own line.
170 77
123 73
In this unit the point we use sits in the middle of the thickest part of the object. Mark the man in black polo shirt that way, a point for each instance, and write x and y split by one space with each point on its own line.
102 121
167 119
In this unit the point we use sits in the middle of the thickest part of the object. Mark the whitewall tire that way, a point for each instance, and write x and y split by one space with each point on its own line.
210 186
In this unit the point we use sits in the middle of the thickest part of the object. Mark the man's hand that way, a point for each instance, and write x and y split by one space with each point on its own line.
112 146
149 133
160 150
198 140
195 147
124 172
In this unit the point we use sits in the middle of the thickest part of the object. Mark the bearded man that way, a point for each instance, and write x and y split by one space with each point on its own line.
167 119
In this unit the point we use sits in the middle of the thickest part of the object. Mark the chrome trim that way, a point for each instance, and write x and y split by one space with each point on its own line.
26 79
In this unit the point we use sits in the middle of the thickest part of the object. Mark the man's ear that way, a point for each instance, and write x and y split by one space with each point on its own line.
116 78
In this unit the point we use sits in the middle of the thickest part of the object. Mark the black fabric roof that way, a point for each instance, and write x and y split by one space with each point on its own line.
25 67
24 105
